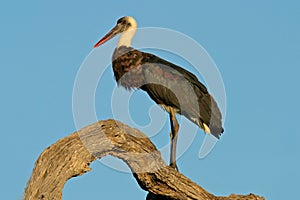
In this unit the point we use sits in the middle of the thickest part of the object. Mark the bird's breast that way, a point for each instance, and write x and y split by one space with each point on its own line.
127 67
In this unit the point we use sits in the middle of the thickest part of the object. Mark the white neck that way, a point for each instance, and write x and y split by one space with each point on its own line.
126 38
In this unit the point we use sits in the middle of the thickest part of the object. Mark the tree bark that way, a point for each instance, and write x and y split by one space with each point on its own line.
71 156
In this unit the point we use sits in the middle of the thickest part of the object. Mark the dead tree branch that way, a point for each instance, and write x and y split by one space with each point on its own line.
71 156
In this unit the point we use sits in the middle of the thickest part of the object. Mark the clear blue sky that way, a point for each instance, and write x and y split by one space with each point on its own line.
255 45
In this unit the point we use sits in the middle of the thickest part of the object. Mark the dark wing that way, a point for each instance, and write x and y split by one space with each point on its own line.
170 85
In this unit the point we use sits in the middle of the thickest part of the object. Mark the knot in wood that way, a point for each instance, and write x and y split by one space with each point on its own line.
118 138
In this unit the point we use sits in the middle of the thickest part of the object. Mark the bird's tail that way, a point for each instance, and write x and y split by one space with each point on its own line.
216 131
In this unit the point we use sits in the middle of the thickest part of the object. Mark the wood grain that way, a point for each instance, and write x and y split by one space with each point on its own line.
72 155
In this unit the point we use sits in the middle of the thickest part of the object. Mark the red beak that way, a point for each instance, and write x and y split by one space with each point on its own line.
103 40
112 33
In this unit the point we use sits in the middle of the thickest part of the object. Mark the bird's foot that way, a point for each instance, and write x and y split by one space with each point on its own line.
173 165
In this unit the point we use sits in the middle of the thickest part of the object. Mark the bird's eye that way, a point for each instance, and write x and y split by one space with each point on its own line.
129 24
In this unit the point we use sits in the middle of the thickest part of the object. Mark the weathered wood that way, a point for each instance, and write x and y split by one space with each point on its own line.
71 156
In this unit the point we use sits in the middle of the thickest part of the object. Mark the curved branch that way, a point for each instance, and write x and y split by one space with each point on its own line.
71 156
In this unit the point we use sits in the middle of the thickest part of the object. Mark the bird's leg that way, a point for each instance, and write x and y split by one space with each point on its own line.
173 136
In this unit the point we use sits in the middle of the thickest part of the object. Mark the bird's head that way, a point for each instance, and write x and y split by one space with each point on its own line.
124 24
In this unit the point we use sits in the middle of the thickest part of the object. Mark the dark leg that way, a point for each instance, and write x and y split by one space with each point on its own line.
173 136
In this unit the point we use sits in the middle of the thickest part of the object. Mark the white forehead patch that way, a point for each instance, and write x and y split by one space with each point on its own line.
132 21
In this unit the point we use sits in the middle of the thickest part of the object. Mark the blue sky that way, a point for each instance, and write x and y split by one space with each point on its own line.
254 44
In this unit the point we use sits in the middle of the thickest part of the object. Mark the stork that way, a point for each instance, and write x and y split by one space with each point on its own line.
175 89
